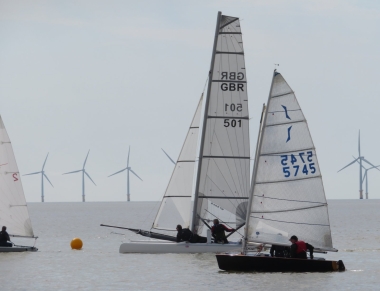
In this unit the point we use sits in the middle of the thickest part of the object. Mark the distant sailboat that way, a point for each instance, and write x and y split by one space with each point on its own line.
287 195
222 180
13 208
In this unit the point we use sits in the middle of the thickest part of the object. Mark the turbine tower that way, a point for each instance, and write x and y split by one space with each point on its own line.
129 169
366 178
83 170
360 160
168 156
43 176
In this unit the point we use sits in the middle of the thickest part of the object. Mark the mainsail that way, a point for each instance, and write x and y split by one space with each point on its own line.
223 168
288 197
13 209
176 204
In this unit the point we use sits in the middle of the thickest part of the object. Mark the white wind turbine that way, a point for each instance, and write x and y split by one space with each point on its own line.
83 170
360 160
366 177
129 169
43 176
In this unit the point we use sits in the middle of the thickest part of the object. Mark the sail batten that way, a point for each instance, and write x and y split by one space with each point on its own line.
288 196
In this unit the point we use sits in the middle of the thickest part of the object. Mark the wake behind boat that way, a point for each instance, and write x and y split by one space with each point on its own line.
223 172
287 193
13 209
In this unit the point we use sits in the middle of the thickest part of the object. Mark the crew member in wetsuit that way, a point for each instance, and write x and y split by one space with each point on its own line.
185 234
279 251
218 232
298 248
4 237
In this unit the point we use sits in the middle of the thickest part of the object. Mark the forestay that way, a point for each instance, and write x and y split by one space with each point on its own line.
13 210
223 170
176 204
288 195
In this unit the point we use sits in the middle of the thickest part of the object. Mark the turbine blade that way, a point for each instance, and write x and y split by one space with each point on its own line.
135 174
32 173
118 172
359 143
129 150
370 163
72 172
348 165
48 180
359 163
168 156
84 164
43 166
374 167
89 177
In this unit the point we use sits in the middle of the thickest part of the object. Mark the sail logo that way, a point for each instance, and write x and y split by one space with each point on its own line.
231 86
289 129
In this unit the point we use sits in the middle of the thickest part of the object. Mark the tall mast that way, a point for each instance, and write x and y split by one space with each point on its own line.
256 163
195 206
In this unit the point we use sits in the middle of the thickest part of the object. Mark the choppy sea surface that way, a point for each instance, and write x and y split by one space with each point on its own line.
99 265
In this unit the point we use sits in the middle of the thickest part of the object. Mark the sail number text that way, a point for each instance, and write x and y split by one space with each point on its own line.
306 167
232 123
232 107
231 86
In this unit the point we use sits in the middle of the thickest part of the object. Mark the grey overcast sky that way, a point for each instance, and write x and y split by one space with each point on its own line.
103 75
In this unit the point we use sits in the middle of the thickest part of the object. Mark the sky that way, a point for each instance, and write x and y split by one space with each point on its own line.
105 75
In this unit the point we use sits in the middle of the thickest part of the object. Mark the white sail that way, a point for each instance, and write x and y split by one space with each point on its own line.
13 209
288 196
223 173
176 204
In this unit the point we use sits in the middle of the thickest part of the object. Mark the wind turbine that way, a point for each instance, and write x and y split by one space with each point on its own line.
43 175
360 160
366 178
168 156
83 170
129 169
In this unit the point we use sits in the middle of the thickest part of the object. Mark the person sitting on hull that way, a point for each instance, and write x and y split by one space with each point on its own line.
299 248
218 232
4 238
185 234
279 251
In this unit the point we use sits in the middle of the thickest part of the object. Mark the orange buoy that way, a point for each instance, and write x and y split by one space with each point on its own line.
76 243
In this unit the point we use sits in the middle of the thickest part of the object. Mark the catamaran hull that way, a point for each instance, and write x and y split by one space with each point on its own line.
177 248
17 249
268 264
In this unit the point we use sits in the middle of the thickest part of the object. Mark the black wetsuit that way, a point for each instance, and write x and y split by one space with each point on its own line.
186 234
279 251
4 238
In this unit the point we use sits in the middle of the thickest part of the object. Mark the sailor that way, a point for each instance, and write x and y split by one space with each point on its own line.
279 251
298 248
218 232
185 234
4 238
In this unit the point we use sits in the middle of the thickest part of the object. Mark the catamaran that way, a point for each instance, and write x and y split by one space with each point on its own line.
287 195
13 209
223 170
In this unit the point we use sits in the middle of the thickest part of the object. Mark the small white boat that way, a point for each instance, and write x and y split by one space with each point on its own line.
222 166
13 209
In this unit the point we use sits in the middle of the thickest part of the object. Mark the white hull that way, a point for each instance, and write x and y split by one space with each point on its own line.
157 247
17 249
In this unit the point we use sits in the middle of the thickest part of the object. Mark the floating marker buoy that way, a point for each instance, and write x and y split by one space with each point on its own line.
76 243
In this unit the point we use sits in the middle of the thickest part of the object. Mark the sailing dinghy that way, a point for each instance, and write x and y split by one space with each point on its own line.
287 194
223 173
13 209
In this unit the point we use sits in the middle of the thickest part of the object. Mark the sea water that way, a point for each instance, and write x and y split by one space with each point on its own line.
355 226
